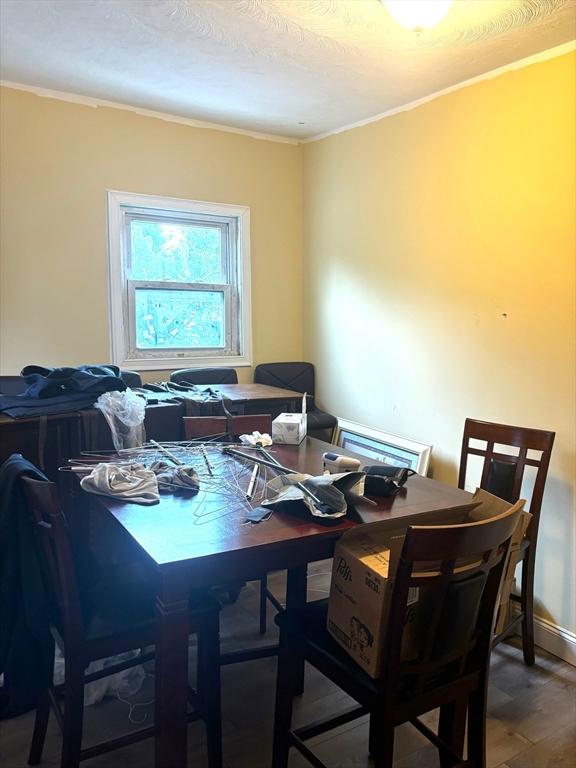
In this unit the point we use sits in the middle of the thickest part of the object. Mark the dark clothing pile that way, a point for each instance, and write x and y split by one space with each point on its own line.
26 644
58 390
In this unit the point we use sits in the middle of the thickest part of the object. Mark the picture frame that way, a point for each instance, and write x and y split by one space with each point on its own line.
382 446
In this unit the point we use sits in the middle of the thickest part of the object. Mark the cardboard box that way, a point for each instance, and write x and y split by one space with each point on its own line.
363 571
290 428
362 577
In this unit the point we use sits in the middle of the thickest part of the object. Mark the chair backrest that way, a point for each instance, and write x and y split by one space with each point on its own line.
502 473
443 605
43 502
298 377
131 378
12 385
204 376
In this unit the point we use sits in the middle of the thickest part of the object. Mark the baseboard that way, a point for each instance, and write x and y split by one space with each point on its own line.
554 639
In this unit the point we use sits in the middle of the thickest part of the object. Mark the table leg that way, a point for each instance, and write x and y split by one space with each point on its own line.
171 669
296 597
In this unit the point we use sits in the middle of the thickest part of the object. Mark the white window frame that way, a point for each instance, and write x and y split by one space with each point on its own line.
123 205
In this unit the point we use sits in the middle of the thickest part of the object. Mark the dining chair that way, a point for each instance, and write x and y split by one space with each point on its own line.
502 474
204 376
299 377
435 654
112 616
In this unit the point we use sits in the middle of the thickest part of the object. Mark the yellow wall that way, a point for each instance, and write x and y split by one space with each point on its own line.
58 160
439 280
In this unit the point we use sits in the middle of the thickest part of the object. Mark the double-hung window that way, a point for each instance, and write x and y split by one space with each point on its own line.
179 282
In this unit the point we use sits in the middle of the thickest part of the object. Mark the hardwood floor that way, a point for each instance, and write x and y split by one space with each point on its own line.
532 710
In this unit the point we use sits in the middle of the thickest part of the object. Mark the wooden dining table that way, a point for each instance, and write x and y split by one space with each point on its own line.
243 398
199 542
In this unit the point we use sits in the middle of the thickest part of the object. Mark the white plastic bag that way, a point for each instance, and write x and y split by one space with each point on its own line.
121 685
124 412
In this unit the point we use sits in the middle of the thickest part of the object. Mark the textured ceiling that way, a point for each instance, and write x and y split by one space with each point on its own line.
295 68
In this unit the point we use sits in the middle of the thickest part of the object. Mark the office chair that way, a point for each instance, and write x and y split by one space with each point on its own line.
436 653
502 474
298 377
114 616
12 385
131 378
203 376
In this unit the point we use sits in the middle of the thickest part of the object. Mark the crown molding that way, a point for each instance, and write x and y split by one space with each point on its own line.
88 101
551 53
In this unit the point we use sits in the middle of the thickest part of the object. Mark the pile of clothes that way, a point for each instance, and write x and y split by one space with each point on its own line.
58 390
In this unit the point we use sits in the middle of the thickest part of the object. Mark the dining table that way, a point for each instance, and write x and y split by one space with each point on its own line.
203 540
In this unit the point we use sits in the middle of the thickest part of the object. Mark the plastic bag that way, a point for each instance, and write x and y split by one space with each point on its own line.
124 412
122 685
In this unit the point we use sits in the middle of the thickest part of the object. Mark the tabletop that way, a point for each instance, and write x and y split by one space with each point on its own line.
212 525
248 392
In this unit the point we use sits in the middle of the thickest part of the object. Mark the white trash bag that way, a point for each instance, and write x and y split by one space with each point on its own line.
124 412
120 685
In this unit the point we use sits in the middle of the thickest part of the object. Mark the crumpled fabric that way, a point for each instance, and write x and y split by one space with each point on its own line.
127 482
256 438
346 485
172 478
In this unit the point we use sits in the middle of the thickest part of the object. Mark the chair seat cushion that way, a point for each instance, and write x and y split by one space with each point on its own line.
320 420
123 600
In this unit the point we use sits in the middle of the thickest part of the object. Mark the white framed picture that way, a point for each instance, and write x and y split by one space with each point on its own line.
381 446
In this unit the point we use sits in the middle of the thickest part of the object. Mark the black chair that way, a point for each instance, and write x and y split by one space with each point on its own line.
298 377
112 616
204 376
502 475
131 378
436 652
12 385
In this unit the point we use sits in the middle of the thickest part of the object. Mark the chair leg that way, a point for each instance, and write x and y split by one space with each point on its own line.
381 741
73 716
288 661
527 608
452 729
40 726
477 728
263 604
209 686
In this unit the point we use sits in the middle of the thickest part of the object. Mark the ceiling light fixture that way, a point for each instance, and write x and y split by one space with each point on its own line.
417 14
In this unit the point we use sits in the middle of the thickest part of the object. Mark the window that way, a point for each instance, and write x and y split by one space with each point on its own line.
179 282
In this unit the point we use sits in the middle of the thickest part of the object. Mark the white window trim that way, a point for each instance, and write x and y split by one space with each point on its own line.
117 285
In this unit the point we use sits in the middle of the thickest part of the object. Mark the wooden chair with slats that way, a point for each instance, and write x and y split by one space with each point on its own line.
502 474
436 652
112 616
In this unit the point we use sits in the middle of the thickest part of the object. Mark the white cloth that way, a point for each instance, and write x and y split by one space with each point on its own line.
256 438
173 478
130 482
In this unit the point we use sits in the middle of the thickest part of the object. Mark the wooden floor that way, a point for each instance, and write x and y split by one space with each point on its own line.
532 711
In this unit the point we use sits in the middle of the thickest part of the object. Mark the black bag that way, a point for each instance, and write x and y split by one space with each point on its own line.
382 480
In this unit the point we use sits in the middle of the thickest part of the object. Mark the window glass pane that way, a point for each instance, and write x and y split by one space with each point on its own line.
186 253
168 318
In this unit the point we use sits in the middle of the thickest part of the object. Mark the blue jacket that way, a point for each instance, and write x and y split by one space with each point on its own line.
26 644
